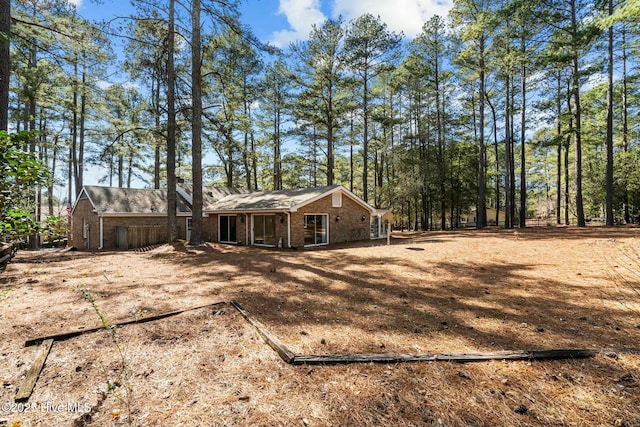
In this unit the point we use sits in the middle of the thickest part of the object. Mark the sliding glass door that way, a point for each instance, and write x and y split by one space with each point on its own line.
264 230
228 233
315 230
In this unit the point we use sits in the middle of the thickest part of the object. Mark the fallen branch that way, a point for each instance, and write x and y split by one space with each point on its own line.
335 359
32 376
273 342
66 335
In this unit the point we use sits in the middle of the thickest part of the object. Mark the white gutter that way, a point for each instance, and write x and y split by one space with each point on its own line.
247 238
101 233
288 230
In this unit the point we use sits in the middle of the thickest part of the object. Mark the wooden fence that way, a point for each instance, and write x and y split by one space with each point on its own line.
140 236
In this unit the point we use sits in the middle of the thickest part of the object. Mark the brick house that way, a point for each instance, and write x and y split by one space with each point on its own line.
285 218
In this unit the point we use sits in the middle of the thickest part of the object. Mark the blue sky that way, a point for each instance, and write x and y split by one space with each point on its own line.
283 21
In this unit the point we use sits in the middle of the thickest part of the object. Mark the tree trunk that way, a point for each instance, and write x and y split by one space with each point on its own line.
509 211
156 109
523 151
578 122
625 124
609 178
559 157
365 139
81 137
481 213
5 68
196 125
172 222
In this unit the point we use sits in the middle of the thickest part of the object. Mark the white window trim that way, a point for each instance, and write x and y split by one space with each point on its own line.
336 199
328 228
253 233
220 229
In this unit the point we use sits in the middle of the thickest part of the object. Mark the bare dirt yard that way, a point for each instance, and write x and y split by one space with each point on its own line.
437 292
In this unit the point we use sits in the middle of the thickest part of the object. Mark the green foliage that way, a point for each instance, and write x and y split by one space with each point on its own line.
20 172
54 228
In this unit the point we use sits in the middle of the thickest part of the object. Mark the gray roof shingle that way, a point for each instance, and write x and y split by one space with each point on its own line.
112 200
269 200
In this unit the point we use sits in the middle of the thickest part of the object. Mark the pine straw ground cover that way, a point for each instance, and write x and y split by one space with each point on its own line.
465 291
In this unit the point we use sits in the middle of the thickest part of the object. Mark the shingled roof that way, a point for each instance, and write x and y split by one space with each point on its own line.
275 200
210 195
131 201
115 200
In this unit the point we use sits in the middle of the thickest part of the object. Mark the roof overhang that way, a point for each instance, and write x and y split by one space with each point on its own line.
339 188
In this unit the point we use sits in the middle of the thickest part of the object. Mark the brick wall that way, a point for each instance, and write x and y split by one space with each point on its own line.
83 214
349 228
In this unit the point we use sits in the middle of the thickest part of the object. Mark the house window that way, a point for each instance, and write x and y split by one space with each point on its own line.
227 229
189 226
85 229
375 227
336 199
315 230
264 230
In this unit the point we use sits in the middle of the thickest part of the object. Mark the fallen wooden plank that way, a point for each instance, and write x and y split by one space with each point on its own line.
66 335
273 342
333 359
32 376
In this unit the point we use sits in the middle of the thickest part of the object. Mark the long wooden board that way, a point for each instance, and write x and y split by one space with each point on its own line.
332 359
273 342
66 335
32 376
335 359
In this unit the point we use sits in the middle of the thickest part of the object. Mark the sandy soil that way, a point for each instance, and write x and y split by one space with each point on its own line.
465 291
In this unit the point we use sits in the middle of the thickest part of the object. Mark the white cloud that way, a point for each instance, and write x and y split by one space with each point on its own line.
407 16
76 3
301 15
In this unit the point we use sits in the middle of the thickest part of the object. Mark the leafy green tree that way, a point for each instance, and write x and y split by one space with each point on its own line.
573 33
232 66
369 50
20 173
432 46
5 58
275 95
475 22
320 72
146 60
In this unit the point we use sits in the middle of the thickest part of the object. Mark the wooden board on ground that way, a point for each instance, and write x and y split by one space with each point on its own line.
335 359
286 354
332 359
67 335
32 376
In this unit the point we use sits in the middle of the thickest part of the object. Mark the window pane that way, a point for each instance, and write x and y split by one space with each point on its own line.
309 229
264 229
321 229
232 229
315 230
224 228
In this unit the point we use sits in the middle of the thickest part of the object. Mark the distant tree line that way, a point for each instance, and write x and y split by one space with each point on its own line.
528 107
